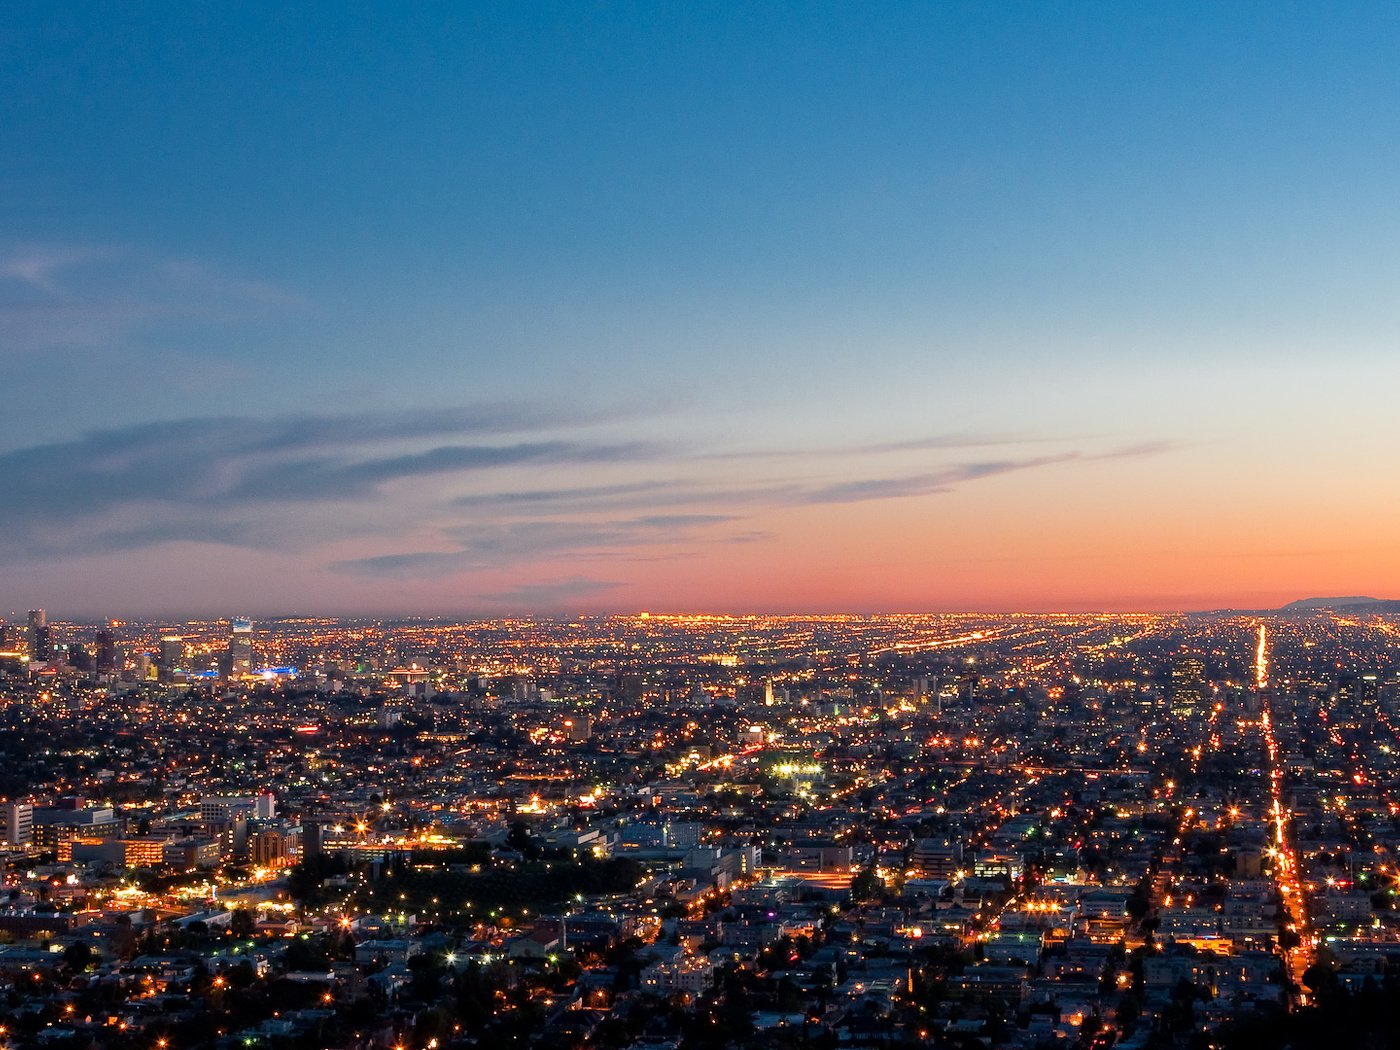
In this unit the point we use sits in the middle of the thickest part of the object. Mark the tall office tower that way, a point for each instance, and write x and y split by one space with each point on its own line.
16 823
78 658
1188 685
226 807
932 693
172 654
967 688
1358 693
313 833
40 638
578 728
240 648
105 656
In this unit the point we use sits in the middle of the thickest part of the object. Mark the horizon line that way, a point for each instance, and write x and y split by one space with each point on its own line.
89 619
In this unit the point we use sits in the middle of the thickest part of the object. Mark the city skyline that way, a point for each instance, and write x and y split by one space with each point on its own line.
819 309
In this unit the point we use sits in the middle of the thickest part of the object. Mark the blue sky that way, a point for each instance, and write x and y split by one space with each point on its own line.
739 241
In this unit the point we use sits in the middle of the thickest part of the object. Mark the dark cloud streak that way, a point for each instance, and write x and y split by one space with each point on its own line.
299 482
926 484
181 472
485 547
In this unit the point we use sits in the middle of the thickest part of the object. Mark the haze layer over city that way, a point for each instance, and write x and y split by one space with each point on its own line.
697 526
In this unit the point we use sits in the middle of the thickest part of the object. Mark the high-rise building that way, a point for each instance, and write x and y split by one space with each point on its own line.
172 654
313 833
40 637
1188 685
105 657
240 648
1358 693
226 807
78 657
16 823
12 639
578 728
271 847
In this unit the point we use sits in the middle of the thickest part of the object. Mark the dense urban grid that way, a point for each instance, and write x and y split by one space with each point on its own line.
687 831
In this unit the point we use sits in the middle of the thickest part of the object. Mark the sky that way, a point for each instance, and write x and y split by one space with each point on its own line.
549 308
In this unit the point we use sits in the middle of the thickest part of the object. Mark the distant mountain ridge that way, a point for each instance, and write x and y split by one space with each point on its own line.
1303 605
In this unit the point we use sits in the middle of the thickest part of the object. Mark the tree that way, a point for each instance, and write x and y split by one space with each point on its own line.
1321 980
1128 1012
1138 905
305 880
78 956
306 955
520 839
123 942
865 885
241 923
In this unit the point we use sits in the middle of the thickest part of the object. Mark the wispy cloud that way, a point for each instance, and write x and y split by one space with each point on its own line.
486 547
946 479
40 266
217 479
928 443
76 297
654 496
340 479
648 489
924 484
1142 448
495 418
479 547
939 442
394 485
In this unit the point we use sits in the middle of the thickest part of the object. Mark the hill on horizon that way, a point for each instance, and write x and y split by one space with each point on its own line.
1355 602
